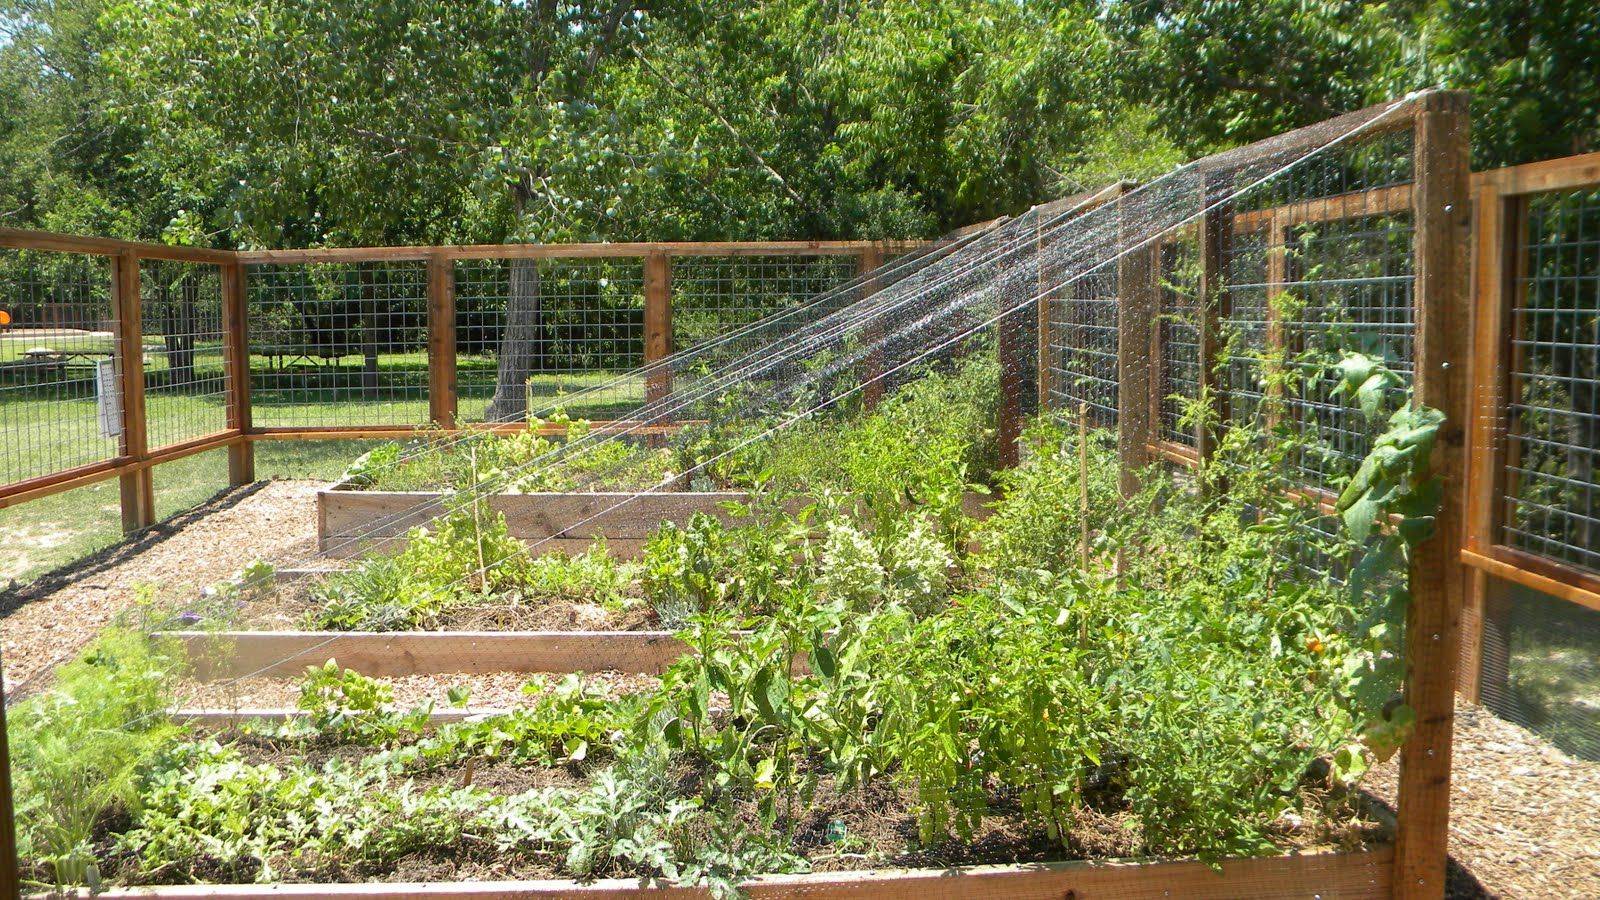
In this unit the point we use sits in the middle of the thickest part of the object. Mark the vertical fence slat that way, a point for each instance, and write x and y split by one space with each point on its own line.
137 485
1443 306
236 340
658 323
443 396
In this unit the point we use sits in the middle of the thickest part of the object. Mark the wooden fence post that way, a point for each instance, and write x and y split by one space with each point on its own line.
236 340
1136 313
443 398
1443 306
658 323
137 486
870 259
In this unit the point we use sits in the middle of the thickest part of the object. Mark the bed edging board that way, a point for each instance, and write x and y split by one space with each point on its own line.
1330 875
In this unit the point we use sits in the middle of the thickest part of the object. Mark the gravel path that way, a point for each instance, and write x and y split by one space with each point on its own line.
48 621
1524 817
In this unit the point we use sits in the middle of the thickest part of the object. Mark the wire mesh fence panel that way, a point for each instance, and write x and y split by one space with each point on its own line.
1344 284
185 369
60 400
338 344
1178 378
714 295
1082 342
531 332
1552 496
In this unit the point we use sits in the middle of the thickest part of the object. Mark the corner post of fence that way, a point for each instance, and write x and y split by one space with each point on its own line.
867 261
1216 236
443 394
658 324
137 484
1136 313
236 341
1442 222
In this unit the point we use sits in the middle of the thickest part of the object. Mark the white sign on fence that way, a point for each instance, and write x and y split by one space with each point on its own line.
108 400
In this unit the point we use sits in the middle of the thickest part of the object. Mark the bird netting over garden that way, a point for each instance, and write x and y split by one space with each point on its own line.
1084 534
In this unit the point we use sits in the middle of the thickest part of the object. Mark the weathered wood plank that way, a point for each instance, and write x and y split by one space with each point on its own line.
246 654
352 521
1331 876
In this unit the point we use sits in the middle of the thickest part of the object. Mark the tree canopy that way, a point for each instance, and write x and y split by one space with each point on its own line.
334 122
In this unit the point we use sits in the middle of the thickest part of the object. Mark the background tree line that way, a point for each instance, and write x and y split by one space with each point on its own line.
312 122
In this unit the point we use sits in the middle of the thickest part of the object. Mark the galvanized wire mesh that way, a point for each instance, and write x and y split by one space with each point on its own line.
338 344
185 367
1552 497
1177 376
59 402
712 295
1081 340
531 331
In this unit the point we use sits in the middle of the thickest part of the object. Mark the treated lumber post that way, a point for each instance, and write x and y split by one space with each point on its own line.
1137 305
1443 305
236 338
137 485
1216 233
869 260
442 388
658 324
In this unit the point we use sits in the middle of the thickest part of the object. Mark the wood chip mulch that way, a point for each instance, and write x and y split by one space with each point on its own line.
49 621
1524 816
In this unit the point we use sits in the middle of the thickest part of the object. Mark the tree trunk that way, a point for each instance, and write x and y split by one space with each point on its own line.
519 344
177 330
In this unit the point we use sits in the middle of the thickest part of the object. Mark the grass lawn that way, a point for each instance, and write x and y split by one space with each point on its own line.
51 426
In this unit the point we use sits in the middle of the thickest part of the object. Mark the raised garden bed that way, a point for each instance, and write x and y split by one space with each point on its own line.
351 522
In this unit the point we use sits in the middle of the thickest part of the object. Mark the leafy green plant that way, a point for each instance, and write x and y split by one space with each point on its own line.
77 750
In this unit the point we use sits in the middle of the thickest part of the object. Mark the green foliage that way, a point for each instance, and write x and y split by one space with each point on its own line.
469 554
77 749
